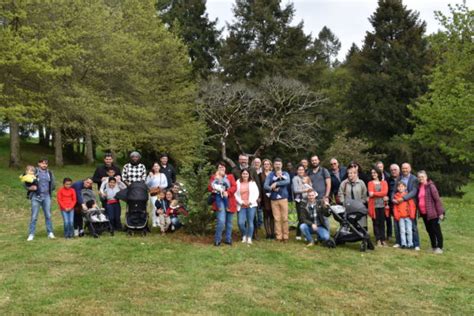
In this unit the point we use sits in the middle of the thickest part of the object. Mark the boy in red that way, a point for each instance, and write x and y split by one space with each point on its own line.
66 197
404 213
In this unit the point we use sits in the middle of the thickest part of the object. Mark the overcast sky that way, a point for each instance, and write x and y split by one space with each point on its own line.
348 19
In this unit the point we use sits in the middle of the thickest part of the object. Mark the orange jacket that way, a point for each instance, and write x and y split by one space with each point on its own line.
404 209
377 194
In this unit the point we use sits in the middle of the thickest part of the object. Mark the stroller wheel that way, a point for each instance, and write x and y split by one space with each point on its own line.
112 233
129 232
370 245
363 246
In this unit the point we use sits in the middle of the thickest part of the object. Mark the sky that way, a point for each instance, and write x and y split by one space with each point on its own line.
347 19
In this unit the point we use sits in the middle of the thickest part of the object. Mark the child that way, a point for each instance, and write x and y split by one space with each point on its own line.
66 198
97 215
219 186
173 211
163 221
108 190
307 183
404 213
29 179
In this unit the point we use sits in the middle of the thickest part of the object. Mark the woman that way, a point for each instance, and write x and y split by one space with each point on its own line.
431 210
247 195
301 185
378 190
224 211
268 220
360 173
155 181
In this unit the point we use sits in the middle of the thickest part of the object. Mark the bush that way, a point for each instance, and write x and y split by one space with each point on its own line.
200 217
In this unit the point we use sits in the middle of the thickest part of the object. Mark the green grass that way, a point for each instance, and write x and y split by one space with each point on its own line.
179 274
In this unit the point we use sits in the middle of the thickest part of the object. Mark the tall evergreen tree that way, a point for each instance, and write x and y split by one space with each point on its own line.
327 46
191 22
261 42
389 73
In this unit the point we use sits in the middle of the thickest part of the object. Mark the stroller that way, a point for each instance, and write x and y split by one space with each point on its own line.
353 224
136 217
96 222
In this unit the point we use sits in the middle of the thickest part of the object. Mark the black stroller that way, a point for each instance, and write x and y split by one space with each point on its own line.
136 217
353 224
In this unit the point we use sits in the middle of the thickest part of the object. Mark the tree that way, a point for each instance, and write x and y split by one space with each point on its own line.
191 22
444 116
388 74
327 46
279 111
262 42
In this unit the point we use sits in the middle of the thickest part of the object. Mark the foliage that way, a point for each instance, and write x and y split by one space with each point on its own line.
388 73
347 149
444 116
190 20
327 45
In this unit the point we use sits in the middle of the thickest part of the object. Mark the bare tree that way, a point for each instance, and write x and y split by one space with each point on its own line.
283 111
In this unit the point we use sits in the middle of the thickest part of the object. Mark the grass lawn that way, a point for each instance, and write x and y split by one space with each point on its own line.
179 274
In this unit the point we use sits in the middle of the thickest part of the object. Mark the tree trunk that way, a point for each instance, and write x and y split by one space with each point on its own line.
89 149
41 136
224 153
47 136
14 144
58 147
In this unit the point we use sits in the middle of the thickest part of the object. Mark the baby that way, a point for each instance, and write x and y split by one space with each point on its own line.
162 219
29 179
219 186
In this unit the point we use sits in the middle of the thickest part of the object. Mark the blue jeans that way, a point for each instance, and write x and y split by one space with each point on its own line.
307 230
175 222
259 217
221 202
246 216
114 212
224 219
45 203
406 232
68 218
416 238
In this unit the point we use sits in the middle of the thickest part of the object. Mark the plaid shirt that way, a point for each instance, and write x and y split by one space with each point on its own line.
134 173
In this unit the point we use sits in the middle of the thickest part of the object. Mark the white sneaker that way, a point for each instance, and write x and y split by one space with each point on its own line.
172 227
417 248
438 251
51 236
249 241
30 237
244 239
298 237
396 246
76 232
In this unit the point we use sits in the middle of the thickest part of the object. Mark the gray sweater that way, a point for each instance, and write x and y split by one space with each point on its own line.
358 188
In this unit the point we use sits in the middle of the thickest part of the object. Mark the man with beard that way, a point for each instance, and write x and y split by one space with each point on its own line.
320 178
100 173
134 171
168 170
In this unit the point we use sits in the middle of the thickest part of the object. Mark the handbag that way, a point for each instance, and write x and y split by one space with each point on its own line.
155 191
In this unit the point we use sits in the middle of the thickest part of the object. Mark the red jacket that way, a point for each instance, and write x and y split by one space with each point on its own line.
404 209
231 191
180 210
377 194
66 198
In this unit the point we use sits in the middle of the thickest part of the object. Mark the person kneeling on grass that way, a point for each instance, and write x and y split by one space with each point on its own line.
173 211
314 222
66 197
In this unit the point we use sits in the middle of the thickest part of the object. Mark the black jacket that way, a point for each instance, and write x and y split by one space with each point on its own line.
170 174
101 171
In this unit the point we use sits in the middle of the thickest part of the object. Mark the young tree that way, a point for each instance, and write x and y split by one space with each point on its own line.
327 46
191 22
389 73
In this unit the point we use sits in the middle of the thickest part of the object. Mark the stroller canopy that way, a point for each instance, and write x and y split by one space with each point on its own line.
136 191
355 206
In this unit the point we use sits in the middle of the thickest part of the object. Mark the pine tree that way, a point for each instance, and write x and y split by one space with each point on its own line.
327 46
191 22
389 73
262 42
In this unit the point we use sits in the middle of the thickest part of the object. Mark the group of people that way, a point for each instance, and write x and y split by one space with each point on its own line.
260 193
75 198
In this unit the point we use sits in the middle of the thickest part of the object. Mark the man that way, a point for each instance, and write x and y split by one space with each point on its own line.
338 174
304 162
388 220
313 222
40 196
168 170
320 178
411 182
353 187
79 187
100 173
277 184
134 171
392 189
